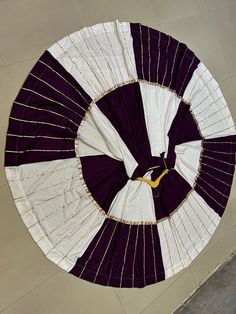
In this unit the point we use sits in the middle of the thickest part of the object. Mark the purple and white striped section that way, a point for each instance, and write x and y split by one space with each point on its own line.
217 171
161 59
186 233
122 255
123 107
55 208
208 105
104 111
120 107
104 177
99 57
45 115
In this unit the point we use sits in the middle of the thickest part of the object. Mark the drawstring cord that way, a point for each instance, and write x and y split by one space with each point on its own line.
154 184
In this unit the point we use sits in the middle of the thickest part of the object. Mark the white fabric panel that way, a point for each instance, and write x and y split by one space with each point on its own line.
134 202
57 212
188 160
208 105
160 107
97 136
186 233
98 57
169 252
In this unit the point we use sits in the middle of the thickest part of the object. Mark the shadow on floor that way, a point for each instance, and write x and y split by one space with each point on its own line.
217 295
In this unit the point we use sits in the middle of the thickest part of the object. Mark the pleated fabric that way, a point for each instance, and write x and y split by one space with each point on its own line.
104 113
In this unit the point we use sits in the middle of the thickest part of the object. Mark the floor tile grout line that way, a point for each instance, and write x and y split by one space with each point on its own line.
215 38
6 65
28 292
218 268
80 13
179 19
146 307
198 287
191 273
201 12
4 185
213 9
117 296
227 78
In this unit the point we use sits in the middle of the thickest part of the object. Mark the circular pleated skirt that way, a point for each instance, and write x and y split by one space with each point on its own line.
120 154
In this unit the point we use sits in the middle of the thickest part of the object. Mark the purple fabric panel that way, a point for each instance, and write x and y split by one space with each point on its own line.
64 126
72 88
146 61
65 149
104 177
216 172
183 127
173 188
120 107
124 109
44 143
171 191
187 65
149 245
140 170
33 156
121 255
137 44
50 103
161 59
48 113
223 144
153 62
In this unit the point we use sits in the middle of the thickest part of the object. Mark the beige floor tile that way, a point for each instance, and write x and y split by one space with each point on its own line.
196 33
224 25
175 295
11 79
22 264
11 225
1 62
226 222
64 293
135 300
128 11
3 179
228 88
217 4
210 259
19 71
27 27
171 10
232 202
8 92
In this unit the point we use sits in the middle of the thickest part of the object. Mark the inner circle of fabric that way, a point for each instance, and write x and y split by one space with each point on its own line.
127 148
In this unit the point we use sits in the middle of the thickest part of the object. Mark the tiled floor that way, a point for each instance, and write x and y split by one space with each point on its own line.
29 283
217 295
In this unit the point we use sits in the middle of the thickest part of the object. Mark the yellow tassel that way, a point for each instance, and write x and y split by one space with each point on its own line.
155 183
